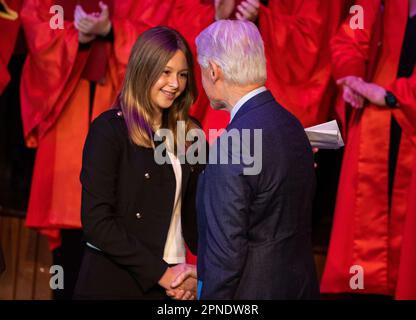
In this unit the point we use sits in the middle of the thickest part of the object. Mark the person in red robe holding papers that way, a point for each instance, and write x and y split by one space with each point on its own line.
10 21
72 75
296 35
374 188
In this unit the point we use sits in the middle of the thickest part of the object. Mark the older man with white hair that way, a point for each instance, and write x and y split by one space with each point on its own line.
254 229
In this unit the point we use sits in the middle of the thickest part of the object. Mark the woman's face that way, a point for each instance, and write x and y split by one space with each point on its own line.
171 83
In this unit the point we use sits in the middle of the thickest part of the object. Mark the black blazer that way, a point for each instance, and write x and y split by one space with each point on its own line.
255 230
127 203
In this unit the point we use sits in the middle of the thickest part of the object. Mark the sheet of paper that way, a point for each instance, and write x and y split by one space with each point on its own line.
325 136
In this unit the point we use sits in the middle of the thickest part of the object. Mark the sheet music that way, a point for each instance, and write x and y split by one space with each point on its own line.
325 136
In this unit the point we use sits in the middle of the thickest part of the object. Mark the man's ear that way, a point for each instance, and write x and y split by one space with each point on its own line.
215 72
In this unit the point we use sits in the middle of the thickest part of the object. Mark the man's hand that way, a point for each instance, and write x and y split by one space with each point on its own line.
248 10
370 91
184 286
98 24
224 9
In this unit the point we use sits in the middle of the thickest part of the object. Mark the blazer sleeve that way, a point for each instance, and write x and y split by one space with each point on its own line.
100 222
226 243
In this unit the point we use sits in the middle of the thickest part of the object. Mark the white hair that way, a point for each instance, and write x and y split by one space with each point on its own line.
237 48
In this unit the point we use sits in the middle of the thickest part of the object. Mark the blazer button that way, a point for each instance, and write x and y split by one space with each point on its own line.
119 113
192 169
147 175
138 215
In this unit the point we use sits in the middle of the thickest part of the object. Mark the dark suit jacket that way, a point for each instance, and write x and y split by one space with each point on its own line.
127 202
255 230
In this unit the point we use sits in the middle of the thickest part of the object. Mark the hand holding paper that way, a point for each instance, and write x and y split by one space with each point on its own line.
325 136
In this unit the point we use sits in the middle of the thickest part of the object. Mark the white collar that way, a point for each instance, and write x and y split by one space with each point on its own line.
244 99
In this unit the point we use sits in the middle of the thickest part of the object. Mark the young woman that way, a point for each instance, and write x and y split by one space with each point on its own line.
137 215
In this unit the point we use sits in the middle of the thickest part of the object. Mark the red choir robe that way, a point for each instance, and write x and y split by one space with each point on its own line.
365 232
55 103
9 21
405 90
406 282
296 36
190 17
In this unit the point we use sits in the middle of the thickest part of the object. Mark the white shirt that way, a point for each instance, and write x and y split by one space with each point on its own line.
244 99
175 251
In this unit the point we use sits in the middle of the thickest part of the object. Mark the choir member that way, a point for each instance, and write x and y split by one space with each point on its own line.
375 181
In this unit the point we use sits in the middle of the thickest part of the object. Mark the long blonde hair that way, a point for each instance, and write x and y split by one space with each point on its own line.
150 54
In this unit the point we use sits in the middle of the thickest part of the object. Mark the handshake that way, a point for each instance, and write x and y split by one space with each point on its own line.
180 282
